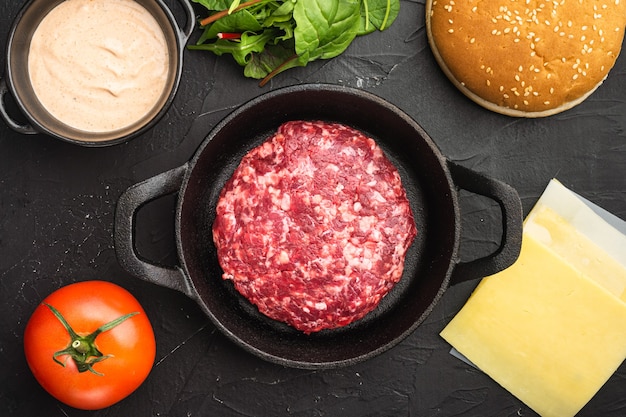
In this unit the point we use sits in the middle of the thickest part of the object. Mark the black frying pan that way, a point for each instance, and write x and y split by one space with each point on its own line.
432 263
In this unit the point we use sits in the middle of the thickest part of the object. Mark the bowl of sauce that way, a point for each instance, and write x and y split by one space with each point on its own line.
93 72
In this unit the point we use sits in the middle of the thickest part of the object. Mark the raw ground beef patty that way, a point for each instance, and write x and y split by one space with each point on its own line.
314 225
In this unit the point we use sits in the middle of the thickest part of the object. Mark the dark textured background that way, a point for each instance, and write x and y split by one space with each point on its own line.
57 205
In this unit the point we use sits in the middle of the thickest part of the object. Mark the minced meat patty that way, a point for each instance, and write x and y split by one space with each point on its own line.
314 225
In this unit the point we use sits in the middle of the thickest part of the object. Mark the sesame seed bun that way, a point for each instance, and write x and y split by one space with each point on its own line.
526 58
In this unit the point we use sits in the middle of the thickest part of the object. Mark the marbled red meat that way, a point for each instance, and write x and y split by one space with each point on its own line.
314 225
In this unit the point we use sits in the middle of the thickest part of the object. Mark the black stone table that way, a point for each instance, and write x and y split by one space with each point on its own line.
57 204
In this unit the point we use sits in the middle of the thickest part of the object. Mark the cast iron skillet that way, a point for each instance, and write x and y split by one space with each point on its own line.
432 184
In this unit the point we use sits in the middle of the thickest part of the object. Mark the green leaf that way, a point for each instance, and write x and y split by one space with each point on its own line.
233 5
239 22
283 13
240 50
280 34
380 13
324 29
263 63
214 4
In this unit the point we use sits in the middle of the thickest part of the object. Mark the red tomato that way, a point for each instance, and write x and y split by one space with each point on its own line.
124 353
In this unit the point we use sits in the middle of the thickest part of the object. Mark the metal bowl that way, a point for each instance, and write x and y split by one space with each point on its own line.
39 120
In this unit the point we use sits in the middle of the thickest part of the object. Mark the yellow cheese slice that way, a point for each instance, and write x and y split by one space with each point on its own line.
547 227
551 329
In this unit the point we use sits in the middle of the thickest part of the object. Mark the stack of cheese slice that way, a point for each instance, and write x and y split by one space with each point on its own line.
551 329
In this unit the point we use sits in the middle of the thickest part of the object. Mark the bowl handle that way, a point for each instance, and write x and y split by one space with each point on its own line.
186 31
24 129
511 207
128 204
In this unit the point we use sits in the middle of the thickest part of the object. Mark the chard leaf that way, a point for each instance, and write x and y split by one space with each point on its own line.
324 29
233 5
284 13
214 4
239 22
263 63
280 34
378 14
242 50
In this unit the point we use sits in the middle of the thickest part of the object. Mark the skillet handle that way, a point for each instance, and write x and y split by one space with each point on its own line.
511 207
128 204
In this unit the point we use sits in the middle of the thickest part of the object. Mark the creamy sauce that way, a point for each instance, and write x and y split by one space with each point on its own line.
98 65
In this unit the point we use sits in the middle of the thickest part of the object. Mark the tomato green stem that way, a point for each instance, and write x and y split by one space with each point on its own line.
83 349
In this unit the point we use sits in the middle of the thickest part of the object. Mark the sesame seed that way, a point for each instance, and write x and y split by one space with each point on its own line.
472 40
450 30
